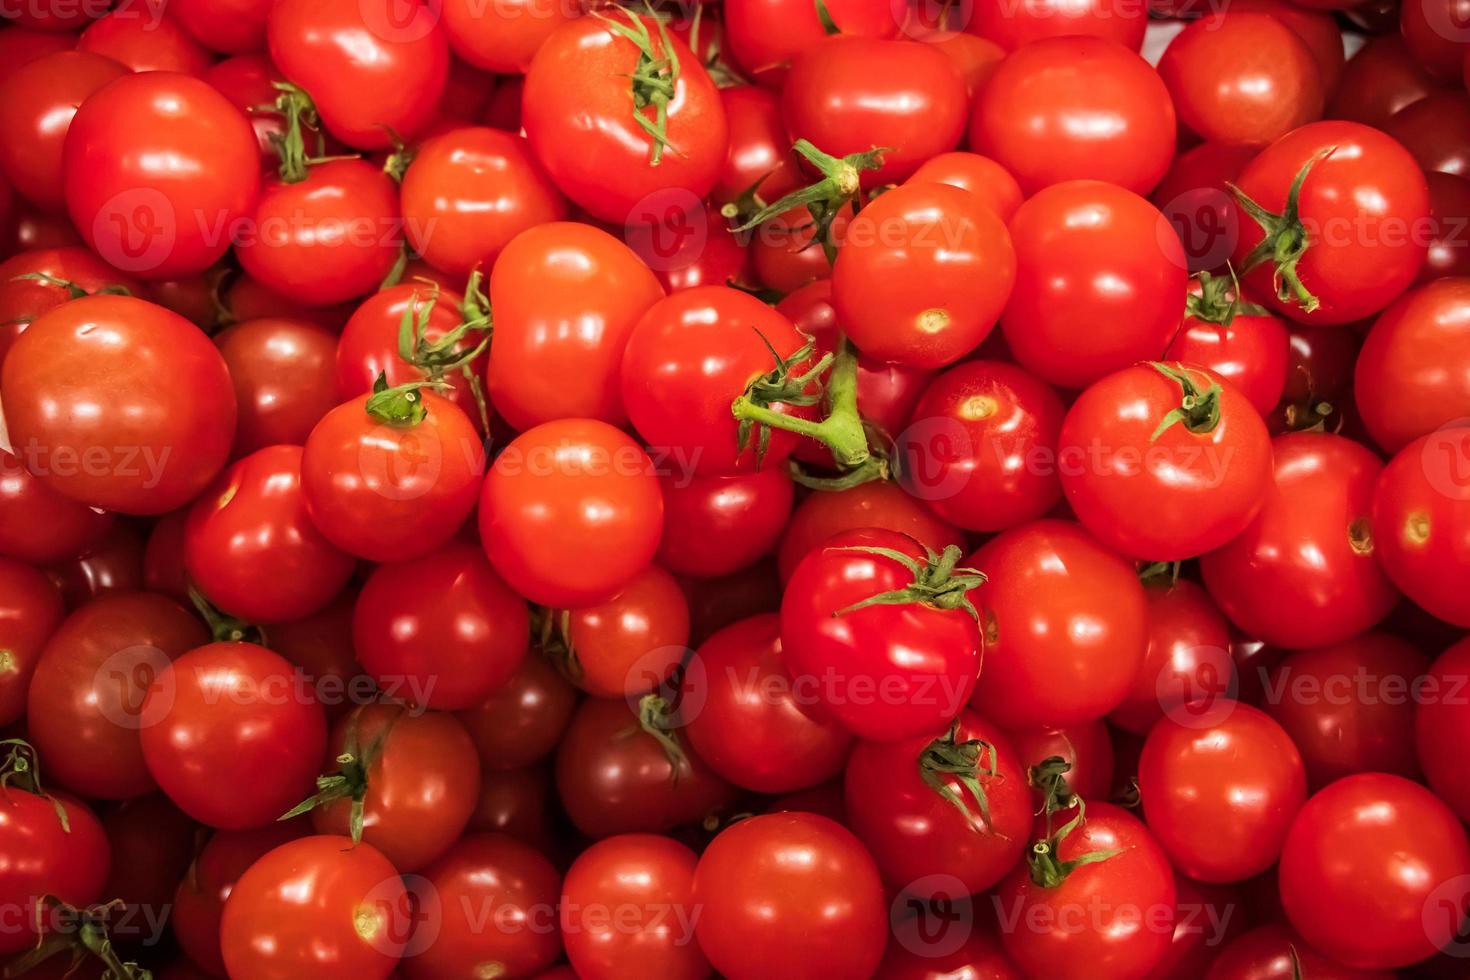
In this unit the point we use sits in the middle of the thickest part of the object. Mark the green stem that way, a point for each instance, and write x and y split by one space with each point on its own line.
1198 411
225 628
1284 240
938 581
841 430
841 181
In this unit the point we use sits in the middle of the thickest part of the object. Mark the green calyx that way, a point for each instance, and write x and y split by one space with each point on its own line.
840 184
656 719
654 79
938 582
224 628
1219 300
783 384
1198 411
944 759
1044 862
841 430
299 111
436 358
73 291
1160 571
350 780
825 16
401 406
551 630
19 769
80 934
1285 239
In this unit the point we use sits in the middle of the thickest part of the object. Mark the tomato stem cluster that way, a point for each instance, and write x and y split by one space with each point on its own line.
840 184
938 581
944 758
1044 862
841 430
654 80
1198 411
1285 240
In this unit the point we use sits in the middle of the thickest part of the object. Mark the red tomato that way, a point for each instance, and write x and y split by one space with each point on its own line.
1441 719
321 646
765 55
626 646
1031 20
1087 748
37 524
876 503
517 802
54 846
504 36
226 26
236 708
715 525
979 957
760 152
1421 522
1056 604
22 300
30 611
1303 574
1319 29
1266 953
144 36
1449 248
1187 672
981 176
831 918
1393 858
440 631
1429 129
248 80
152 843
1434 34
158 167
285 377
375 71
1379 80
113 564
1100 281
521 721
1239 342
317 904
1195 197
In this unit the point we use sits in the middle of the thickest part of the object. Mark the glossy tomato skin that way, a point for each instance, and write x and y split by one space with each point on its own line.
759 149
376 73
1449 205
1379 845
877 503
979 957
113 564
252 548
566 297
1162 495
248 80
1250 353
22 300
157 168
37 524
651 874
916 835
923 275
914 108
86 697
392 492
885 671
1100 282
226 26
1366 210
144 37
977 174
169 407
578 116
1429 130
1303 573
236 708
1034 20
47 858
1441 720
1195 197
30 611
316 903
1087 748
1056 603
1265 953
1378 81
285 377
817 873
1071 108
442 630
469 192
503 38
765 55
521 721
1421 522
1187 672
629 645
716 525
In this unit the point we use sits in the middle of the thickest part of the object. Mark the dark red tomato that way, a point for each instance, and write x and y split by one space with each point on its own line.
594 125
253 550
1421 522
923 275
760 152
1361 231
163 557
980 449
518 802
1411 375
375 71
317 904
387 488
1100 281
21 44
144 36
1076 107
750 721
321 646
158 167
650 877
715 603
765 55
119 404
285 377
30 227
1449 244
37 103
877 504
200 898
521 721
832 914
239 709
1195 198
22 300
503 37
1056 603
37 524
912 804
979 957
328 238
30 611
1032 20
1187 672
245 299
1379 80
884 670
192 298
1428 129
1129 900
87 694
248 80
981 176
226 26
1441 721
566 297
715 525
1248 350
690 246
440 631
1304 573
48 853
1274 952
570 512
628 645
912 109
419 777
1086 747
1392 856
1434 34
486 872
1349 707
152 843
782 253
1319 371
614 778
470 191
113 564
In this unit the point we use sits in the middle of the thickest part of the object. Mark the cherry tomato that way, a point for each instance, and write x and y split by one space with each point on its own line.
979 175
1440 720
1247 349
628 645
979 957
503 37
1087 748
54 846
1195 198
517 802
760 153
152 843
1021 24
716 525
1274 952
24 299
1379 80
521 721
1421 522
1319 29
37 524
765 55
30 611
877 503
1428 130
285 377
144 36
113 564
226 26
248 80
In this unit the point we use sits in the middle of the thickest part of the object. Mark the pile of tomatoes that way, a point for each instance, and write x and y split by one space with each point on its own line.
760 489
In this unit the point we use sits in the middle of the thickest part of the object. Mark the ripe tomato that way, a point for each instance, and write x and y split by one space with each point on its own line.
1032 20
1428 129
167 408
618 111
760 152
316 904
566 297
232 708
247 81
226 26
440 631
375 71
85 703
144 36
1100 281
980 956
765 55
1434 34
37 524
1087 748
1303 574
1187 672
1195 198
285 377
1441 719
517 802
1421 522
1391 855
251 547
832 916
1275 952
113 564
1067 108
981 176
1379 80
626 646
49 853
23 299
1238 341
157 169
521 721
1449 207
504 36
30 611
716 525
651 877
875 504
